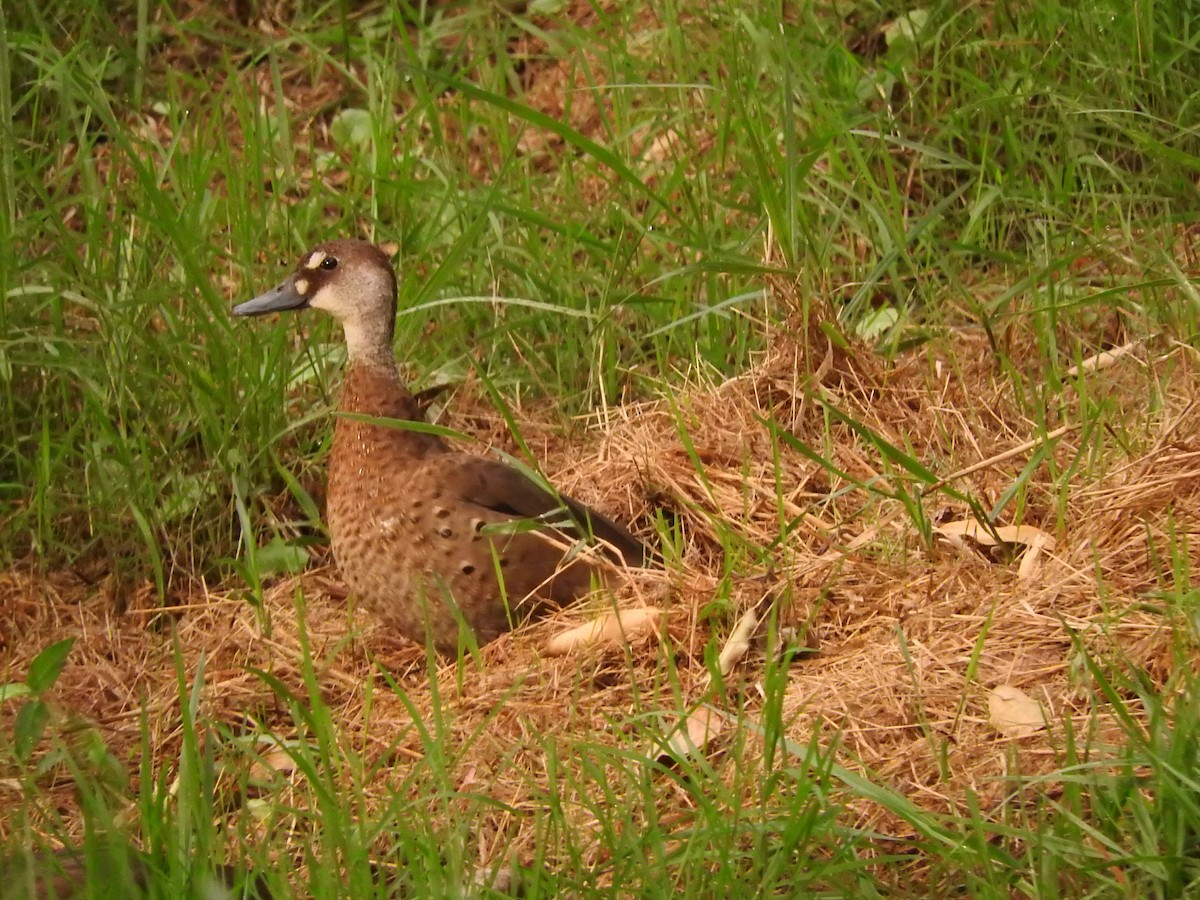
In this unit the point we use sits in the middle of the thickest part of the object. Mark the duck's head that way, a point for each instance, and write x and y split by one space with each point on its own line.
351 280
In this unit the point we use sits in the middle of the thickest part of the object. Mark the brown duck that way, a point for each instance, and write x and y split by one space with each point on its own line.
430 538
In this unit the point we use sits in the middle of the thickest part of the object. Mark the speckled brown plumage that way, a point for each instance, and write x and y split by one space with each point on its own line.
428 537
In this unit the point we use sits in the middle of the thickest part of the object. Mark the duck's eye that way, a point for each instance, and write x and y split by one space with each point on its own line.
329 262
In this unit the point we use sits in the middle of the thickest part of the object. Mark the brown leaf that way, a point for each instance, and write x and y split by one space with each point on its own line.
1034 539
691 737
1013 712
269 764
1007 534
614 628
739 641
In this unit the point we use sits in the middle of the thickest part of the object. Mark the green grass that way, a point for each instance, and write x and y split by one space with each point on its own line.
960 175
1012 165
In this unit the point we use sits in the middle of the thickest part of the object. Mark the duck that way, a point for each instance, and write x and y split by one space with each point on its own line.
445 546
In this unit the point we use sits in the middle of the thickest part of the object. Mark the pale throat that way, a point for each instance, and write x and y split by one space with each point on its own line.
366 343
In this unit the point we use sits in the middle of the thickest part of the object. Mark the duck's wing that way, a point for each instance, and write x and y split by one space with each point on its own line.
499 487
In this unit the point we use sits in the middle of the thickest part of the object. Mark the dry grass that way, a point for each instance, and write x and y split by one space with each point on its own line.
911 637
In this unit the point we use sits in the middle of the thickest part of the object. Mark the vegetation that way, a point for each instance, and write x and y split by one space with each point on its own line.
593 205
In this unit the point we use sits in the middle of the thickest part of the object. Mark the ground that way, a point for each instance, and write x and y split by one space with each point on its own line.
825 648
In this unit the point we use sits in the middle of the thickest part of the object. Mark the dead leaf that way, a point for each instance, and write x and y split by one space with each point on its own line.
614 628
691 737
1007 534
1102 360
663 146
1029 560
470 778
1034 539
739 641
269 764
1014 713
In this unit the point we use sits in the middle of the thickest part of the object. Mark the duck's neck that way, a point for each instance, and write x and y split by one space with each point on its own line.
373 387
371 343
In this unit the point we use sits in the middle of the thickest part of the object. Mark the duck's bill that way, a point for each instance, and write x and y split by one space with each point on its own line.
285 296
